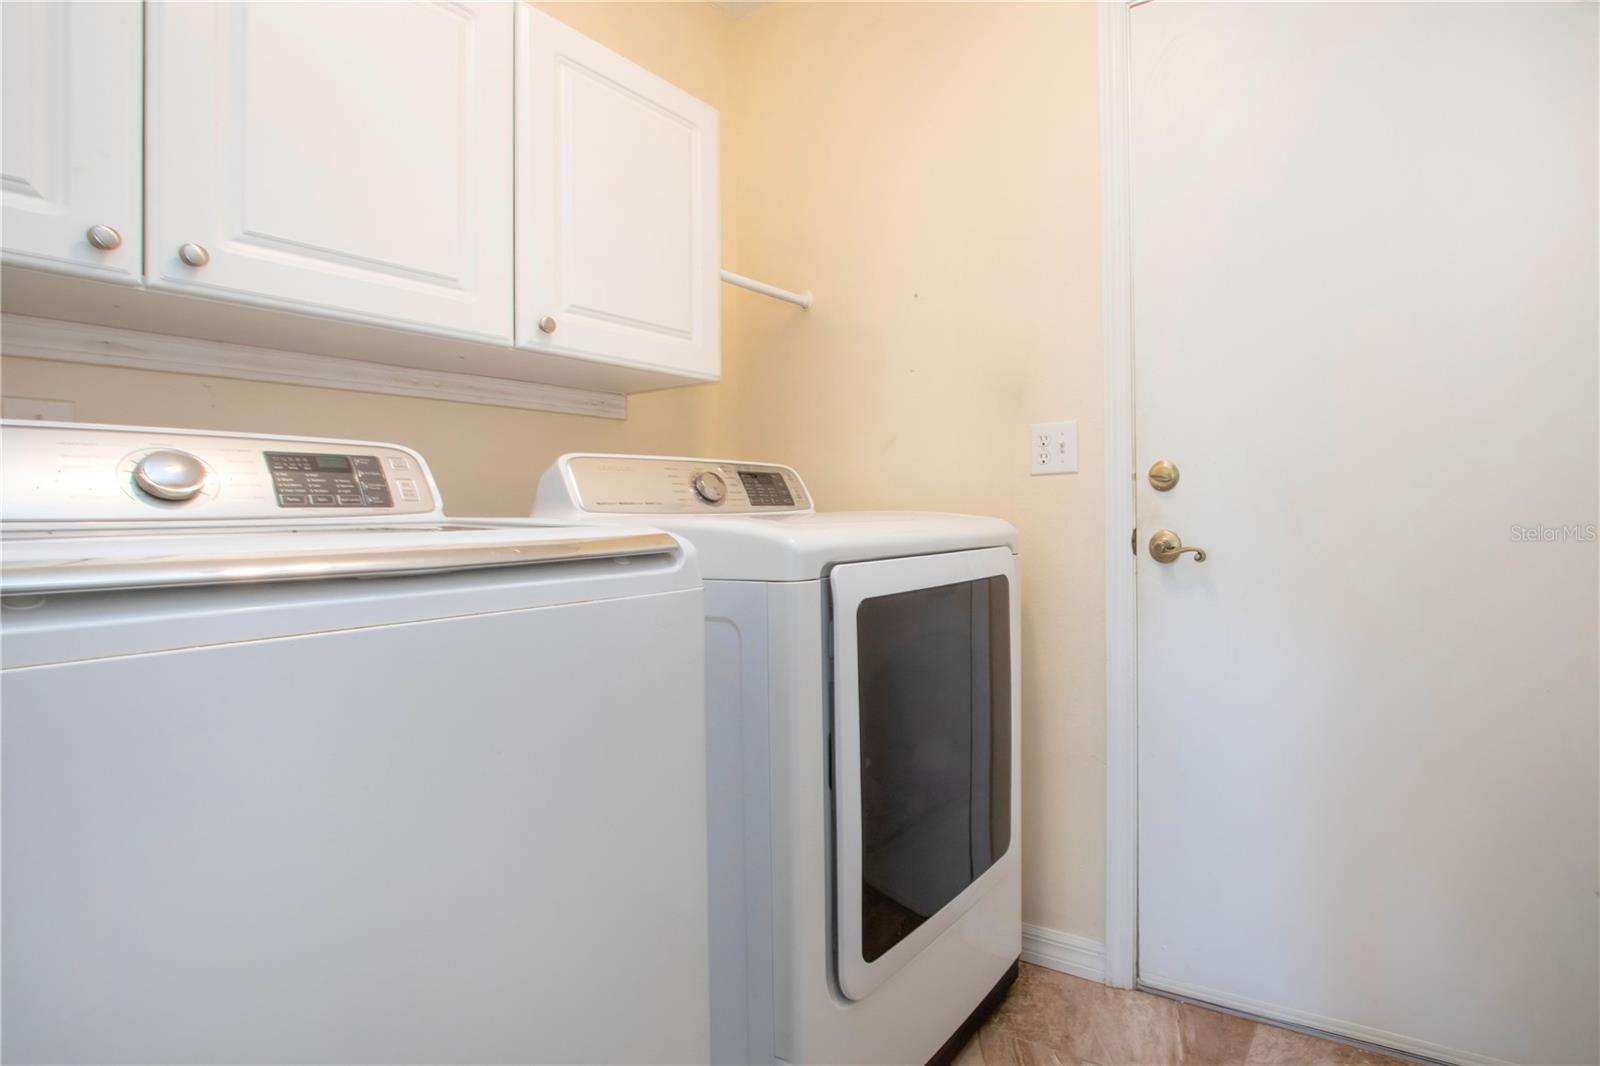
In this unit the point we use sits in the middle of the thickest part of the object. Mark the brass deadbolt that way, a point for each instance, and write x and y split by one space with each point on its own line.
1163 475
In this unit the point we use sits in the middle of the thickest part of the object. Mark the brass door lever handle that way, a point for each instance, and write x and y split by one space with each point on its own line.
1165 547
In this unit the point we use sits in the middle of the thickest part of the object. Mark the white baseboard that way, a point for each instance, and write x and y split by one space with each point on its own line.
42 338
1082 957
1066 952
1306 1021
1086 958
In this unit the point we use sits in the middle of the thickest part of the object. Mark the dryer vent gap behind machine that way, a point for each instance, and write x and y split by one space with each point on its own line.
862 729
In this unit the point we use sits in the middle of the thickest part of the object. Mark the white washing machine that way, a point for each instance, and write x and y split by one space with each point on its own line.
862 707
296 769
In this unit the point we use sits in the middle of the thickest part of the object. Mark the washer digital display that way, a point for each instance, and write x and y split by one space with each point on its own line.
301 479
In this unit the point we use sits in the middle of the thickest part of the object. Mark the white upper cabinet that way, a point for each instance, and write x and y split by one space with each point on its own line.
617 208
70 157
343 159
466 187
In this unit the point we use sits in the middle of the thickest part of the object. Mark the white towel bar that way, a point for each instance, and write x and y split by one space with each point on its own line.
799 299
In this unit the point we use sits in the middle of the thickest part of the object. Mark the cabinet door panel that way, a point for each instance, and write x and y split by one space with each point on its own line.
347 159
71 135
617 207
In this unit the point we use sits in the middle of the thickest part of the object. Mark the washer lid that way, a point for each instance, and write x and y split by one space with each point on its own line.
39 562
801 547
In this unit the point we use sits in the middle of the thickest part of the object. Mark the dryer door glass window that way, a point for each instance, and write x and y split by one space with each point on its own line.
934 692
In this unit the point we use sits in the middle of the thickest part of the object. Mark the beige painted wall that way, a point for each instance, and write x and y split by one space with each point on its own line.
929 170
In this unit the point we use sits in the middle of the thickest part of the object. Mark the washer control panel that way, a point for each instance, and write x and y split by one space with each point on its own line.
319 479
64 472
643 484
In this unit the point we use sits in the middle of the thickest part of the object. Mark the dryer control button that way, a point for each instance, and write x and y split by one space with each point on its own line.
709 486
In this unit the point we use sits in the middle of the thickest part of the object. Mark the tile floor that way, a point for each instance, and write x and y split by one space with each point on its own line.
1050 1019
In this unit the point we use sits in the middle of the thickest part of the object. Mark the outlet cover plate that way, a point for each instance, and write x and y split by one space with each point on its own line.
1053 448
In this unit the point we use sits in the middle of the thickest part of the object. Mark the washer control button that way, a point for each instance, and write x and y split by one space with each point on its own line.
170 475
709 486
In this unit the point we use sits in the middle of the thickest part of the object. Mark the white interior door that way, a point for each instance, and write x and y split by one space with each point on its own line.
340 158
73 131
1365 330
618 210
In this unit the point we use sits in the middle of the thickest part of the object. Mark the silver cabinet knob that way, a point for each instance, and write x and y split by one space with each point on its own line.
193 254
170 475
547 324
709 486
104 238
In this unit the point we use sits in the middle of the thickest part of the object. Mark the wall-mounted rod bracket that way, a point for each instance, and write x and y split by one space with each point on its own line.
801 300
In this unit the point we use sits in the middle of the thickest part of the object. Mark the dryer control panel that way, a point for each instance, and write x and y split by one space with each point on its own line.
647 484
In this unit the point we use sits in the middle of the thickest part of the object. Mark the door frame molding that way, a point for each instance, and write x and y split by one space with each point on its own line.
1122 652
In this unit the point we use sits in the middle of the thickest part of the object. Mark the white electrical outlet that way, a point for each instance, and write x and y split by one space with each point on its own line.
1054 448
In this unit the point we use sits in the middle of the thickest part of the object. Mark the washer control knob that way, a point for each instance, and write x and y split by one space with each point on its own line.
709 486
170 475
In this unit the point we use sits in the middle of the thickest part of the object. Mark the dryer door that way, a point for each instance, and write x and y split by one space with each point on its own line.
925 745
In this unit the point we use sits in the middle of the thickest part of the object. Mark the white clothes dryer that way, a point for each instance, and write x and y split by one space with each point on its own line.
863 740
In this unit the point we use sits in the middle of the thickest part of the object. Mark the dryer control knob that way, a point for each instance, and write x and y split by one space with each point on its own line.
709 486
170 475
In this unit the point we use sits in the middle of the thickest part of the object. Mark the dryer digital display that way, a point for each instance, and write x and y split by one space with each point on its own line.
766 488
